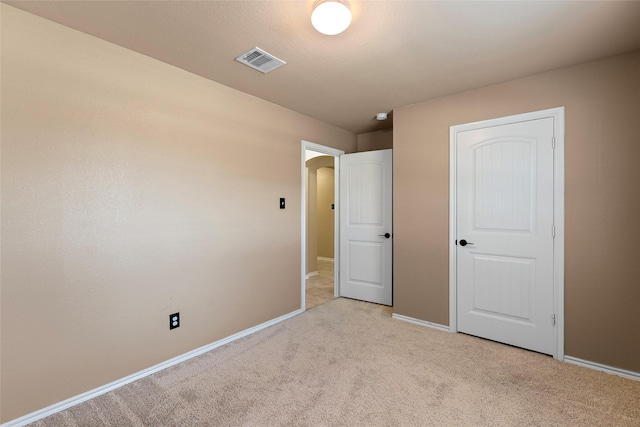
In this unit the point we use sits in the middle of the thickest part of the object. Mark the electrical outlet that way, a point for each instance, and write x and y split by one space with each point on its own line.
174 321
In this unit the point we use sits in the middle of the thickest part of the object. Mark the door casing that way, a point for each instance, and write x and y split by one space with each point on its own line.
306 145
558 211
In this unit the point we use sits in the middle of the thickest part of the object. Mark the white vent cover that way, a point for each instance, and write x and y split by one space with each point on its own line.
260 60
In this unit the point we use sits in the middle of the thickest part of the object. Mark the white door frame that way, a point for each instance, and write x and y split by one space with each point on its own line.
306 145
558 212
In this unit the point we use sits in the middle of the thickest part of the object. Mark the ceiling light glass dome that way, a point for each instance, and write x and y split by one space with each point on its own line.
331 17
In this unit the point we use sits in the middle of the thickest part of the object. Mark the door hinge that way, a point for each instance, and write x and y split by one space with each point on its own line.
553 319
553 231
553 142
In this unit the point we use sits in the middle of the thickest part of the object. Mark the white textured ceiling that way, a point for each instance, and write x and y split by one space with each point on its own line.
395 52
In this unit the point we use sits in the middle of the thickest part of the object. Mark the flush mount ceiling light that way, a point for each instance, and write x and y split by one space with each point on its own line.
331 17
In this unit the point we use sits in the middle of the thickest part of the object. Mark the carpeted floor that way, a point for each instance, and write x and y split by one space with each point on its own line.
348 363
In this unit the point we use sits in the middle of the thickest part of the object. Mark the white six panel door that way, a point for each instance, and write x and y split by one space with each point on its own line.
505 213
365 218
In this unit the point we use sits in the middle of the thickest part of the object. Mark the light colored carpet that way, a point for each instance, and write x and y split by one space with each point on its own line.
348 363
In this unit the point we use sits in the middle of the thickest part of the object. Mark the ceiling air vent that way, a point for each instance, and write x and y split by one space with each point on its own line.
260 60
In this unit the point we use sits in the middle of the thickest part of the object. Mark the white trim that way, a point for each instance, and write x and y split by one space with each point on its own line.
558 212
306 145
420 322
336 225
324 258
453 209
558 219
604 368
65 404
313 273
569 359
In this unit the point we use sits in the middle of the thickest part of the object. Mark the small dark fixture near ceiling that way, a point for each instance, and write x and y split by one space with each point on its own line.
260 60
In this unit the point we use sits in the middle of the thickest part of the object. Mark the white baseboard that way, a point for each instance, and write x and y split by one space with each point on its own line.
604 368
65 404
421 322
313 273
322 258
569 359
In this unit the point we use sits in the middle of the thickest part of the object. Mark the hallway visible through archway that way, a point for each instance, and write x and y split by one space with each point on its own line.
319 287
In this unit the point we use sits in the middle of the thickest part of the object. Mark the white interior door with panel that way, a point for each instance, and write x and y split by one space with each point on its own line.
504 231
366 236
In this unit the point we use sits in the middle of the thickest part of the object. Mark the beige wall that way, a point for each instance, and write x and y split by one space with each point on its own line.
326 192
602 291
378 140
313 165
312 221
131 190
